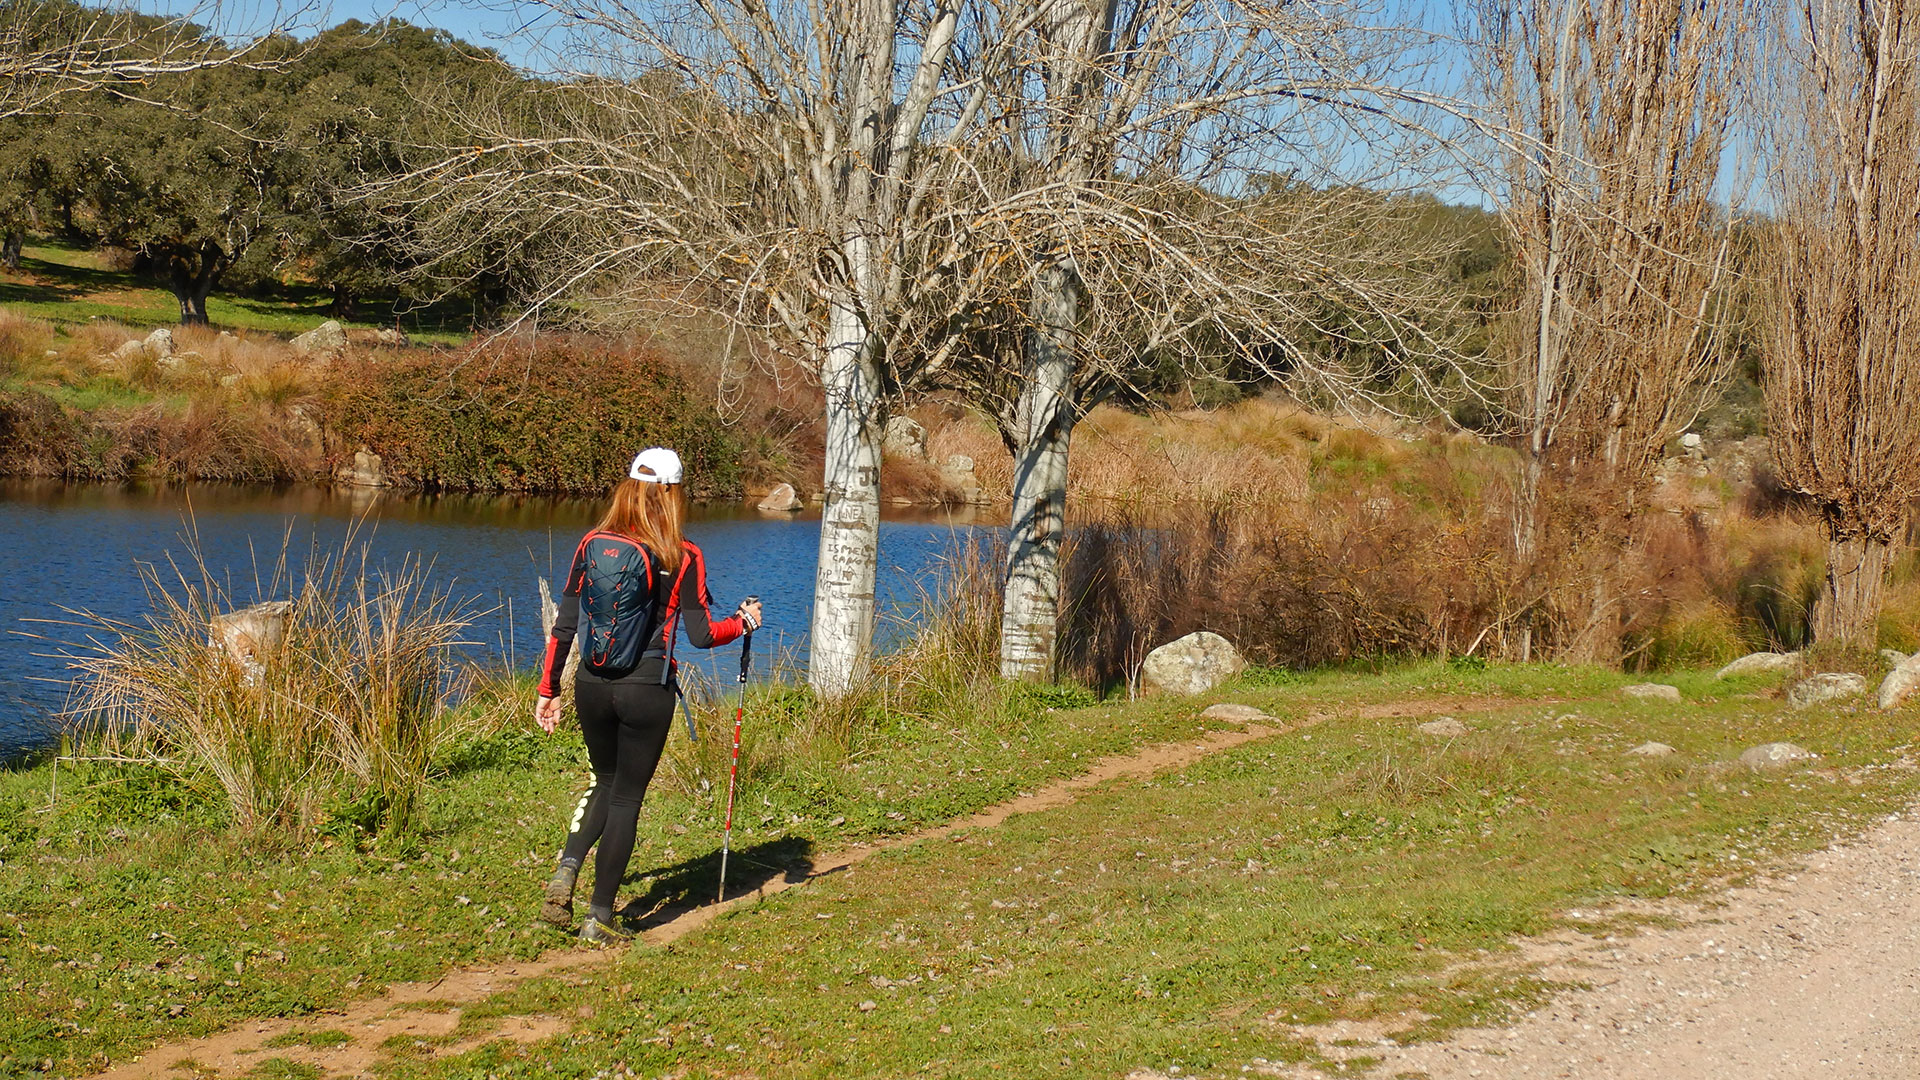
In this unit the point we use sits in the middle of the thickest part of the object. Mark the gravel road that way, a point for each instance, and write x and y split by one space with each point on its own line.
1811 974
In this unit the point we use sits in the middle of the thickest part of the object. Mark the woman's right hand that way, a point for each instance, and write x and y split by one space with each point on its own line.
750 613
547 714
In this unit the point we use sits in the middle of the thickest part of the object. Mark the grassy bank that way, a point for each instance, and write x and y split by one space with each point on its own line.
1343 870
1183 924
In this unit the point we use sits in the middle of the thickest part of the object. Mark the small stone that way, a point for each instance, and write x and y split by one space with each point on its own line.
1652 691
1652 749
1759 663
1690 441
904 438
1900 683
1826 686
1445 727
781 500
868 1006
366 470
389 335
958 474
1775 755
1234 713
250 633
326 339
1893 657
1193 664
159 344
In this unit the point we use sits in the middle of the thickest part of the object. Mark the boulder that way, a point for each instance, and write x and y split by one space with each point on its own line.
1446 728
1759 663
230 380
1900 683
250 633
1652 749
303 426
1775 755
1691 442
1652 691
390 335
782 499
957 473
905 439
327 339
1234 713
1193 664
159 344
1827 686
365 470
130 350
1893 657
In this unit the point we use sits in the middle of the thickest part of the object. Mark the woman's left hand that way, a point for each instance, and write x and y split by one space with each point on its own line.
547 714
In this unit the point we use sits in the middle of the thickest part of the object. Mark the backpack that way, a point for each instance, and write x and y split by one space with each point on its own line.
617 603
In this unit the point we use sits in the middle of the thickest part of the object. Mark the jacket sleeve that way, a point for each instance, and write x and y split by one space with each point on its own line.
695 605
566 623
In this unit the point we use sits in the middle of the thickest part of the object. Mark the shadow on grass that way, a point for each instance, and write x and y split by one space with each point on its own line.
284 308
695 882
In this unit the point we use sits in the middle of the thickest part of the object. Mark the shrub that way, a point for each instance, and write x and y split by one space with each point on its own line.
563 415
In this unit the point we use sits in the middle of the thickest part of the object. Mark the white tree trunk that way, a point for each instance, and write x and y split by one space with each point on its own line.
842 635
1043 426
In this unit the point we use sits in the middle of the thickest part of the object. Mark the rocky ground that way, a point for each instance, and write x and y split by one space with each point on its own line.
1814 973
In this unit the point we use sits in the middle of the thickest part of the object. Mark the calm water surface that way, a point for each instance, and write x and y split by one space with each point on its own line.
67 546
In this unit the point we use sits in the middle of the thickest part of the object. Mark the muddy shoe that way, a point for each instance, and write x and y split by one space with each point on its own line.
600 933
556 907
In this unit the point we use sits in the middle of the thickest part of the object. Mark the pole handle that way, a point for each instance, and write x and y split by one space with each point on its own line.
746 645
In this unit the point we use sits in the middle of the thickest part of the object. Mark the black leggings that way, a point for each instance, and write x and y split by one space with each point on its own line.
625 723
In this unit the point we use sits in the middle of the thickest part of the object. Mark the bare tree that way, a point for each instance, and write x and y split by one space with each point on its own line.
1616 116
1174 179
1843 369
54 49
770 163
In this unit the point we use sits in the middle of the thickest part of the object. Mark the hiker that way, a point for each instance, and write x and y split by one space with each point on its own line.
637 578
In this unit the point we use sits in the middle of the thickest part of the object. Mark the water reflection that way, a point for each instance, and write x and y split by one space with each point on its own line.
79 546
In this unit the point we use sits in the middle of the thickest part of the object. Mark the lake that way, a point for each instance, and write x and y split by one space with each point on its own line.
80 547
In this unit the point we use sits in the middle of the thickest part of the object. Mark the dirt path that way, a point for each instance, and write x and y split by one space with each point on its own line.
1813 974
365 1032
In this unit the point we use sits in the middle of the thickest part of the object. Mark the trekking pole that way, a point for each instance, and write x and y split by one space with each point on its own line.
733 770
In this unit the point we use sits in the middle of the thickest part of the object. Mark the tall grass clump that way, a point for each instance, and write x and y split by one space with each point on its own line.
327 710
941 674
23 342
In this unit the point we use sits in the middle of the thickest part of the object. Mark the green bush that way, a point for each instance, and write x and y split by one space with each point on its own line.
563 416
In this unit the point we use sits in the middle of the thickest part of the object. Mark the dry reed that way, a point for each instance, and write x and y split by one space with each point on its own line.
340 713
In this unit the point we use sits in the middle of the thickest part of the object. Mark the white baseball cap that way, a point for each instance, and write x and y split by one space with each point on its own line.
660 465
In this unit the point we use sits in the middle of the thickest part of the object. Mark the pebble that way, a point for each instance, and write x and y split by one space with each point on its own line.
1775 755
1652 691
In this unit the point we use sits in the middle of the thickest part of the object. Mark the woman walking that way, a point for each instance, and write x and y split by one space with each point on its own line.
636 578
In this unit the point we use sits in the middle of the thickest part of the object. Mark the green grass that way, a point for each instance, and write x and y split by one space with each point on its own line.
321 1039
66 284
1344 870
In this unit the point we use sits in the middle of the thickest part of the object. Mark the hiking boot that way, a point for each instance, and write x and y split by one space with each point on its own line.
556 907
599 933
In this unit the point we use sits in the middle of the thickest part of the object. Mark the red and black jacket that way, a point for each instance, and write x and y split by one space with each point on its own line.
633 606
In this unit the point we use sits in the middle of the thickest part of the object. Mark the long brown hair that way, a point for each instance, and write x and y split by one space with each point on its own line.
650 513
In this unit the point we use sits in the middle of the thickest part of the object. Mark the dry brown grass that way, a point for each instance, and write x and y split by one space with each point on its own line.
23 341
343 712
